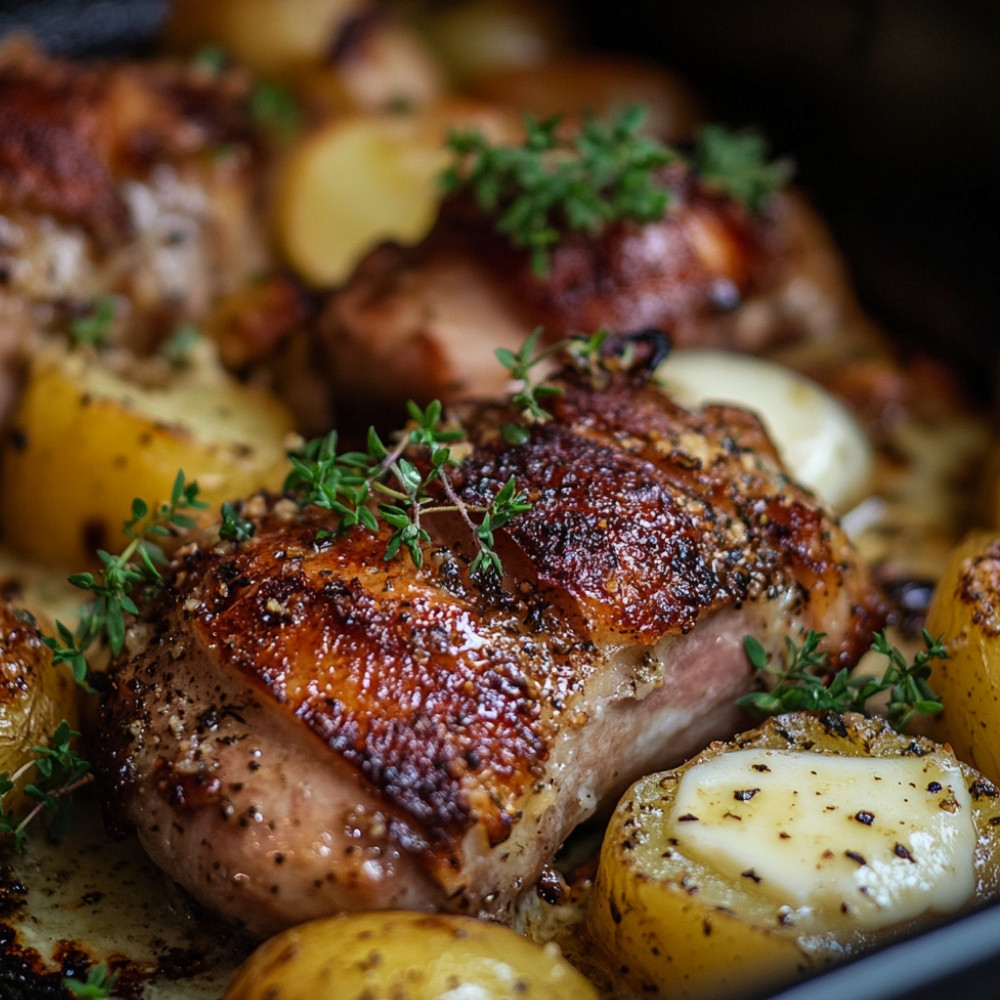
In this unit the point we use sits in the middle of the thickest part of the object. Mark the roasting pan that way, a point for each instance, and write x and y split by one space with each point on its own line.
891 110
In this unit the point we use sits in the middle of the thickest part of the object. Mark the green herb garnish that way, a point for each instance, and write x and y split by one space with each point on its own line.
125 577
345 482
235 528
94 327
799 686
178 349
61 770
736 163
413 475
273 106
551 184
97 985
583 351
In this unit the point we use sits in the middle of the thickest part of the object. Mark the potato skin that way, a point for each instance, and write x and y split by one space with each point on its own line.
85 441
363 179
269 36
657 916
35 695
965 613
405 956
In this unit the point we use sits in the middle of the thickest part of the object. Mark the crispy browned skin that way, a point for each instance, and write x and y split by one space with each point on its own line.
418 738
423 321
136 180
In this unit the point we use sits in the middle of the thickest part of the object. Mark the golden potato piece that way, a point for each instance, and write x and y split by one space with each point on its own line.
787 850
366 179
270 36
385 67
35 696
406 956
85 441
965 613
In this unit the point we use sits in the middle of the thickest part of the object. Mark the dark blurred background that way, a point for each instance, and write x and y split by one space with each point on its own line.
891 109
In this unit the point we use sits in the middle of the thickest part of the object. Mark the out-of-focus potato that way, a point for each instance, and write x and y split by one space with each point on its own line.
366 179
86 440
965 612
578 83
272 37
383 66
481 37
787 850
406 956
35 696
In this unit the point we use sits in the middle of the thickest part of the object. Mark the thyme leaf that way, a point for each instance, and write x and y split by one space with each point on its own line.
346 482
736 163
60 771
235 528
94 327
799 685
97 985
125 578
551 184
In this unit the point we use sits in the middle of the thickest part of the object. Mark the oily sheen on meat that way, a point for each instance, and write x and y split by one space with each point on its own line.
301 726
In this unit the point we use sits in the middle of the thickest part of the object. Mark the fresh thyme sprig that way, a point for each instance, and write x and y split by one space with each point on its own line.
736 163
234 527
608 171
799 686
551 183
345 483
523 363
61 771
125 577
97 986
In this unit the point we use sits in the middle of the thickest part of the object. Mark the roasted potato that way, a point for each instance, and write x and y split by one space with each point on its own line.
786 850
385 67
405 956
35 696
965 613
272 37
364 179
85 440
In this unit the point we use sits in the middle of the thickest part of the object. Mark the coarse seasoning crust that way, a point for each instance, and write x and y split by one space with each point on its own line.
426 738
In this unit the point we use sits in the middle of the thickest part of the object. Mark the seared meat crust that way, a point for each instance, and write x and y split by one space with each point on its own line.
421 738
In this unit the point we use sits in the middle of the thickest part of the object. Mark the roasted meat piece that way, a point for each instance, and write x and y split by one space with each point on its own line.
302 726
126 179
422 322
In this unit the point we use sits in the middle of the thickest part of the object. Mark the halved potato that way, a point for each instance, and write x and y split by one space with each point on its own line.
965 613
365 179
406 956
787 850
270 36
385 66
35 696
86 440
